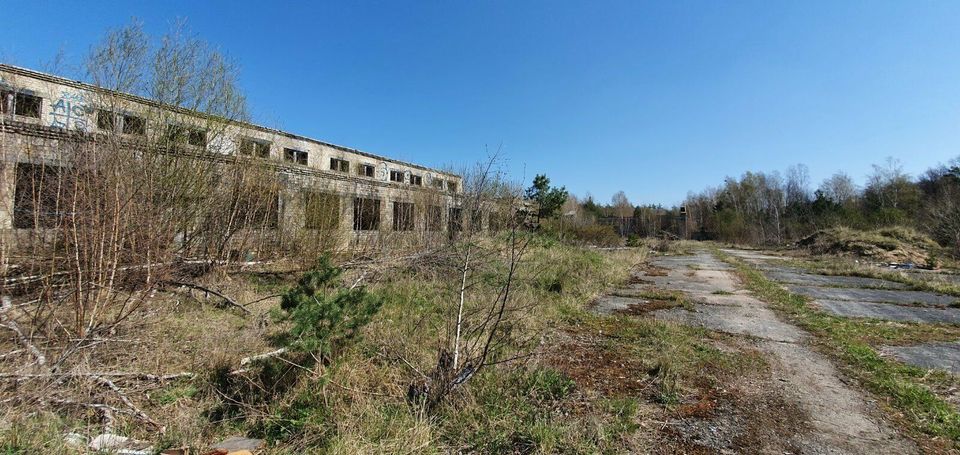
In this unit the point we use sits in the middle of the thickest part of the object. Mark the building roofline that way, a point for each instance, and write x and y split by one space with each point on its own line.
139 99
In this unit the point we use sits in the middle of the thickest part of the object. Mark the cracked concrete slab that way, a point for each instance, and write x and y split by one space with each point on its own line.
698 281
886 311
610 304
941 356
843 419
751 320
846 422
750 255
809 279
874 295
699 260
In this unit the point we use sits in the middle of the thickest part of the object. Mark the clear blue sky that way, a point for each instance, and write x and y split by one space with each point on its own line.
652 98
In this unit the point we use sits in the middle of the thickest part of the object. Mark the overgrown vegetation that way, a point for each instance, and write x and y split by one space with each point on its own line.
320 324
892 244
339 381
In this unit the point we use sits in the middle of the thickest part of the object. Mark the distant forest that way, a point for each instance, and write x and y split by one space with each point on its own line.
775 209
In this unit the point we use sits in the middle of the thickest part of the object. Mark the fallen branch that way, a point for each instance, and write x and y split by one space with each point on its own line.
106 411
357 283
134 375
198 287
126 400
262 299
9 323
11 353
265 355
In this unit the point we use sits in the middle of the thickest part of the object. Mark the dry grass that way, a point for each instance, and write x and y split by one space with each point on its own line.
357 404
894 244
594 384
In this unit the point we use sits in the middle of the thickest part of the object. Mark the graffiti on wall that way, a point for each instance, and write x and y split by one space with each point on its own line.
383 171
70 111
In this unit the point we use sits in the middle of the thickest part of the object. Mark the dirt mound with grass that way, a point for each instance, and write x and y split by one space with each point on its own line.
895 244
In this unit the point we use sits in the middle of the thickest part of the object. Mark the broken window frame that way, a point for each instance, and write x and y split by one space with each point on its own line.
106 120
40 196
454 219
21 103
396 176
366 170
403 216
416 180
366 214
197 137
254 212
134 125
434 218
339 165
321 211
254 147
295 156
180 134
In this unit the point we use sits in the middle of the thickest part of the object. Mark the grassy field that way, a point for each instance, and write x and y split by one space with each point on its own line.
586 384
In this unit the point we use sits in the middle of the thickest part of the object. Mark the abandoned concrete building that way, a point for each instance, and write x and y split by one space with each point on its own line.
364 197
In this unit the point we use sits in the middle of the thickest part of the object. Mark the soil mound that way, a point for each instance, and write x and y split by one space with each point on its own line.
894 245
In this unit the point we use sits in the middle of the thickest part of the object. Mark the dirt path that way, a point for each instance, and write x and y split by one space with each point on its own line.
838 417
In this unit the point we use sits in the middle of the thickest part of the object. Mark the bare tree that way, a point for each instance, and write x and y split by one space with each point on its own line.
477 332
121 205
797 185
840 189
623 209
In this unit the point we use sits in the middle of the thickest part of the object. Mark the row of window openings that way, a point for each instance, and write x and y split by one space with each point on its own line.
194 136
368 170
29 106
38 193
322 211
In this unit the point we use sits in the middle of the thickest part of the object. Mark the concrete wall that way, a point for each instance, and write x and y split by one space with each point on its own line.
70 106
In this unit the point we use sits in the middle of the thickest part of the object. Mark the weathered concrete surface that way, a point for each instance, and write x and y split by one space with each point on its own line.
748 319
698 260
750 256
809 279
694 281
886 311
844 296
843 420
874 295
942 356
610 304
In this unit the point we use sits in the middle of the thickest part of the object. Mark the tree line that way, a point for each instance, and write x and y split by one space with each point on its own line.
774 208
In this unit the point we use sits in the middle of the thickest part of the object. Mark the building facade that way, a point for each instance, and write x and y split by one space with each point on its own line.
367 199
